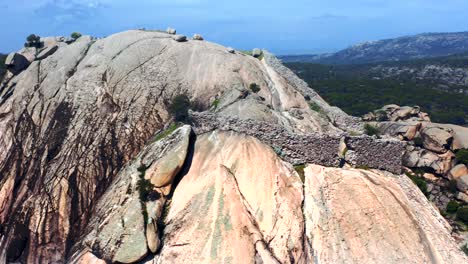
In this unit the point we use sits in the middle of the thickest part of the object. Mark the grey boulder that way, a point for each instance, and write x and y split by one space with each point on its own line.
256 52
436 139
197 37
462 183
179 38
171 31
16 62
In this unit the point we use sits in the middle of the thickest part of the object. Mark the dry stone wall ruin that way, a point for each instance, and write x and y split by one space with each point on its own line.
326 150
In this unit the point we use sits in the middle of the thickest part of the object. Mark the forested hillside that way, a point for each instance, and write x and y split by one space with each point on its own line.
357 89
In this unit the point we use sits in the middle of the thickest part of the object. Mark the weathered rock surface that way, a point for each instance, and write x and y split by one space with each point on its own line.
436 139
46 52
123 227
235 220
462 183
421 158
358 216
458 171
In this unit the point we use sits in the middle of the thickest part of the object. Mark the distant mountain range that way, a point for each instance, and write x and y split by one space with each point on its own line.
403 48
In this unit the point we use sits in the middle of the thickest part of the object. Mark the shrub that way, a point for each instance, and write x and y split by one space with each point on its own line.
215 104
33 41
179 108
422 185
254 87
166 132
462 156
465 249
462 214
418 141
371 130
452 186
452 207
75 35
315 107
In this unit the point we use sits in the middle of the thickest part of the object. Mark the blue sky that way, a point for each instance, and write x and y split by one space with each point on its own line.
283 27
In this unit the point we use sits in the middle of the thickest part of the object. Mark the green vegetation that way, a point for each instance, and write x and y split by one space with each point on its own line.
254 87
452 207
315 107
246 52
33 41
215 103
144 188
166 132
422 185
75 35
462 156
179 108
452 186
464 248
371 130
418 141
300 170
462 214
355 89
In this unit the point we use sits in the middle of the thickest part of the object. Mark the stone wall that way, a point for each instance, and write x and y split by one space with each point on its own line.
325 150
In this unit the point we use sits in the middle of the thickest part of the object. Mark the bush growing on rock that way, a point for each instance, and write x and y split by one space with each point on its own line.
75 35
33 40
179 108
315 107
452 207
462 214
254 87
371 130
422 185
462 156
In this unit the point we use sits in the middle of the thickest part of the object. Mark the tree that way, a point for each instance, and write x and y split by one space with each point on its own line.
75 35
179 108
33 40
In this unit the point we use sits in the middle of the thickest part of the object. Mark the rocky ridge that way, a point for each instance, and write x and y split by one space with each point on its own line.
90 171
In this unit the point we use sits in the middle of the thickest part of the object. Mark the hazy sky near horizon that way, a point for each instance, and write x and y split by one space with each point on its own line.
283 27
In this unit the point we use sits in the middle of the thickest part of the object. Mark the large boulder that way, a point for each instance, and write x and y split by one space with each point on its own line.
462 183
436 139
422 158
458 171
16 62
171 31
197 37
256 52
179 38
403 130
124 225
